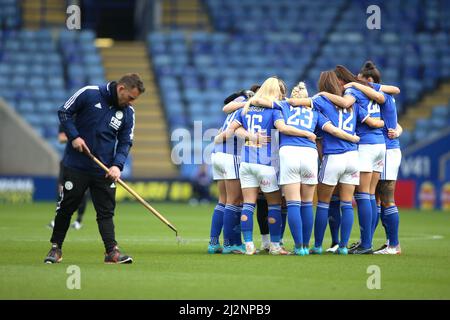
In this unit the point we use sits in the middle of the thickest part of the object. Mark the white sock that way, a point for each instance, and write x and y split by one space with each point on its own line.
265 238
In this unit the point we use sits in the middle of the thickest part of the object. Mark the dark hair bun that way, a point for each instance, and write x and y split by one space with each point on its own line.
369 65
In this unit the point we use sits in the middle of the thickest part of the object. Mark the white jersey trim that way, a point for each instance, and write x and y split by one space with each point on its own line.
72 99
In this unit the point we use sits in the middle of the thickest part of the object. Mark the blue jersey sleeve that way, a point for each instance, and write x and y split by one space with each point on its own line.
317 102
389 112
352 92
322 120
67 112
238 117
280 105
277 115
362 113
375 86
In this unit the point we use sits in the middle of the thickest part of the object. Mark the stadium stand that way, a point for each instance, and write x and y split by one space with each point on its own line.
40 69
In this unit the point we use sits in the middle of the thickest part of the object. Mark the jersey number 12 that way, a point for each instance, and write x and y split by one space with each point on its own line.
345 124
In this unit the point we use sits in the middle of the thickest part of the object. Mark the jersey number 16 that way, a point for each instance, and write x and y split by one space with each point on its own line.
254 122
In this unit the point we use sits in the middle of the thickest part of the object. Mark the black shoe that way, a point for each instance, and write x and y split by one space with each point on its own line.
116 257
354 245
54 255
359 250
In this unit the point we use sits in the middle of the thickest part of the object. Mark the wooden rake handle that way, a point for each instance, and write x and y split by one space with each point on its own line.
132 192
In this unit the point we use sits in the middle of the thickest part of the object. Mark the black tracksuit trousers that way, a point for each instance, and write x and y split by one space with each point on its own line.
103 194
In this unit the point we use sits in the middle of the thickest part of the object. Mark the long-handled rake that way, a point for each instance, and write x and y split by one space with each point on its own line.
134 194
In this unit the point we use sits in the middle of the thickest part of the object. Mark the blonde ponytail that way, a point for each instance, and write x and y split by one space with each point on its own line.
269 90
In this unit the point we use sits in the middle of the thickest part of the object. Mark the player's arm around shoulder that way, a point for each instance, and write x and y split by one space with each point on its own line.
339 133
374 123
293 131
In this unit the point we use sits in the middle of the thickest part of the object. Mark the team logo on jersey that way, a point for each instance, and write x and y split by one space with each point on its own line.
98 105
119 115
115 123
68 185
113 185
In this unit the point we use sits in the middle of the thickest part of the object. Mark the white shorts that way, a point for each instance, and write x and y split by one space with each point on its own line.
255 175
225 166
298 165
339 168
392 162
371 157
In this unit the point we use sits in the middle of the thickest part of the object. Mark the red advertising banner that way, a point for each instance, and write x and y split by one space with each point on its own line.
405 193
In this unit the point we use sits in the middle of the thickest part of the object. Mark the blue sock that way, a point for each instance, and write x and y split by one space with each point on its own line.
346 222
247 221
295 222
228 224
334 219
320 224
365 218
237 235
383 222
284 214
216 224
375 216
392 219
275 223
307 215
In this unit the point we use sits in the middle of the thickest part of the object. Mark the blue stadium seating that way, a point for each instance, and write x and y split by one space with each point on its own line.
38 72
206 67
296 40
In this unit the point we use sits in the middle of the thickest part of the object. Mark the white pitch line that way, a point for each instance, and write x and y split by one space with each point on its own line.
423 237
161 240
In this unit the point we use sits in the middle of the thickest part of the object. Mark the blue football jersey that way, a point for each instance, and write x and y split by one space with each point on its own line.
376 86
367 134
231 146
389 115
345 119
259 119
301 118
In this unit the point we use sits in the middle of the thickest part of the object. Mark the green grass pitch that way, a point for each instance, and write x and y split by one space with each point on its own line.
165 270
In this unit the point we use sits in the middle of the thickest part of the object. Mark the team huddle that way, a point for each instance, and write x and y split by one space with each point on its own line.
267 153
